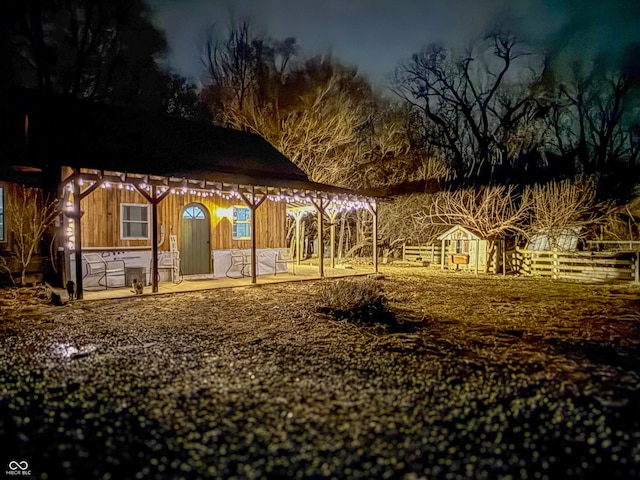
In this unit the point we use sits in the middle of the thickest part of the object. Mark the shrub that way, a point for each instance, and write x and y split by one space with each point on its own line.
358 301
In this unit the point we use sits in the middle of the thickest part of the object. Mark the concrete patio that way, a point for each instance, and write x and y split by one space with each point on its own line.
305 272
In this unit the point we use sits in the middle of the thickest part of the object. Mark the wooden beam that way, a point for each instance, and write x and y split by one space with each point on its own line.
332 218
154 240
253 205
298 217
320 205
77 231
373 209
143 192
154 199
91 188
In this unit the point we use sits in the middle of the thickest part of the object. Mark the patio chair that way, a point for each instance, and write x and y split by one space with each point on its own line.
101 269
238 260
284 258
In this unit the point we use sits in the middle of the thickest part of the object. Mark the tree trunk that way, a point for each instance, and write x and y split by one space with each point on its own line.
491 246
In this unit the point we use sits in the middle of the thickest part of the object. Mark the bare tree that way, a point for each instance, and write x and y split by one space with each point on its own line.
30 217
491 212
471 103
401 222
319 113
593 116
313 112
562 205
101 49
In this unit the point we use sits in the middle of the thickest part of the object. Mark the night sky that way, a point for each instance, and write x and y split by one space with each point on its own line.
375 35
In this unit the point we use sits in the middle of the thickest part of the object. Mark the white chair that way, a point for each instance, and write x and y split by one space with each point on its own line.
284 258
100 269
238 260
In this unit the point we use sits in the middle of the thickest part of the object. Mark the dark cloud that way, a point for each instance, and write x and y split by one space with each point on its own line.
376 35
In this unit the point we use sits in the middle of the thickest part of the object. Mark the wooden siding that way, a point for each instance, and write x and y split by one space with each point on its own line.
101 220
9 190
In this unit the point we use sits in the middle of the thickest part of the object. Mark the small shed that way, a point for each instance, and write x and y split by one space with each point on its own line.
545 239
463 249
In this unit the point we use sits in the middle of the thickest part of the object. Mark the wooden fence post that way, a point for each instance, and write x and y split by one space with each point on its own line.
555 268
477 254
404 255
637 269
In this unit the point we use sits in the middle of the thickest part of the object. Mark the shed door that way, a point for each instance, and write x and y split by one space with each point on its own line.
194 240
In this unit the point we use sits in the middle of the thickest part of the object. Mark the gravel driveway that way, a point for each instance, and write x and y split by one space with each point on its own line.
492 378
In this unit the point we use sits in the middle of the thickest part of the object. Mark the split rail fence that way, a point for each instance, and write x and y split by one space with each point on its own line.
425 253
583 266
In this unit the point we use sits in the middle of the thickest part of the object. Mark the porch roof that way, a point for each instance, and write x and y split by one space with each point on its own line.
40 130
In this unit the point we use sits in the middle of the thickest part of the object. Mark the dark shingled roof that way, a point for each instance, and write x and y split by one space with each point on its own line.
83 134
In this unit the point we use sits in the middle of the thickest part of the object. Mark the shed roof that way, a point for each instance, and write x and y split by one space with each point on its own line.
562 239
452 230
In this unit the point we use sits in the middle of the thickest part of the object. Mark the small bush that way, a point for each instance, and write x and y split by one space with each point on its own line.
358 301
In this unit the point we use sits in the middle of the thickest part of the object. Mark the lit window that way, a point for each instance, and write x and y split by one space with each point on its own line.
241 223
193 212
1 214
134 221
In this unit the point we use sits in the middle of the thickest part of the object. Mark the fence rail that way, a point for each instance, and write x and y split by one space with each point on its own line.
628 245
585 266
425 253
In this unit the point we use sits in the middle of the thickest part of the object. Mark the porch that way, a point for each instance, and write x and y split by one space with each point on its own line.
192 283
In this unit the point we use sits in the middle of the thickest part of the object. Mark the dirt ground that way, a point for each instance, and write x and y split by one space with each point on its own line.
489 377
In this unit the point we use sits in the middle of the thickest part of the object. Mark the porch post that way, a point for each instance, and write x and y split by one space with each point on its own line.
320 243
253 206
154 199
320 207
298 217
332 219
254 259
373 209
154 240
442 254
77 231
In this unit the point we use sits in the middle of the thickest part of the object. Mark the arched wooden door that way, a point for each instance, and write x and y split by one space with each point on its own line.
194 240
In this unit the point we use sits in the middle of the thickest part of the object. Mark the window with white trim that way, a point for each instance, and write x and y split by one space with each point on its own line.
134 221
241 223
1 214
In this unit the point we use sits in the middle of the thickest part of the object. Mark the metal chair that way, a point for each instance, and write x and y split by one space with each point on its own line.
238 259
283 258
98 267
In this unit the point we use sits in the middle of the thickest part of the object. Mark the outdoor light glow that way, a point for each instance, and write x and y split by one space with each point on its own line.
223 212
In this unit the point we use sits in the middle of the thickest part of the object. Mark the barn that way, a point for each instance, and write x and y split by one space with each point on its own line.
143 195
